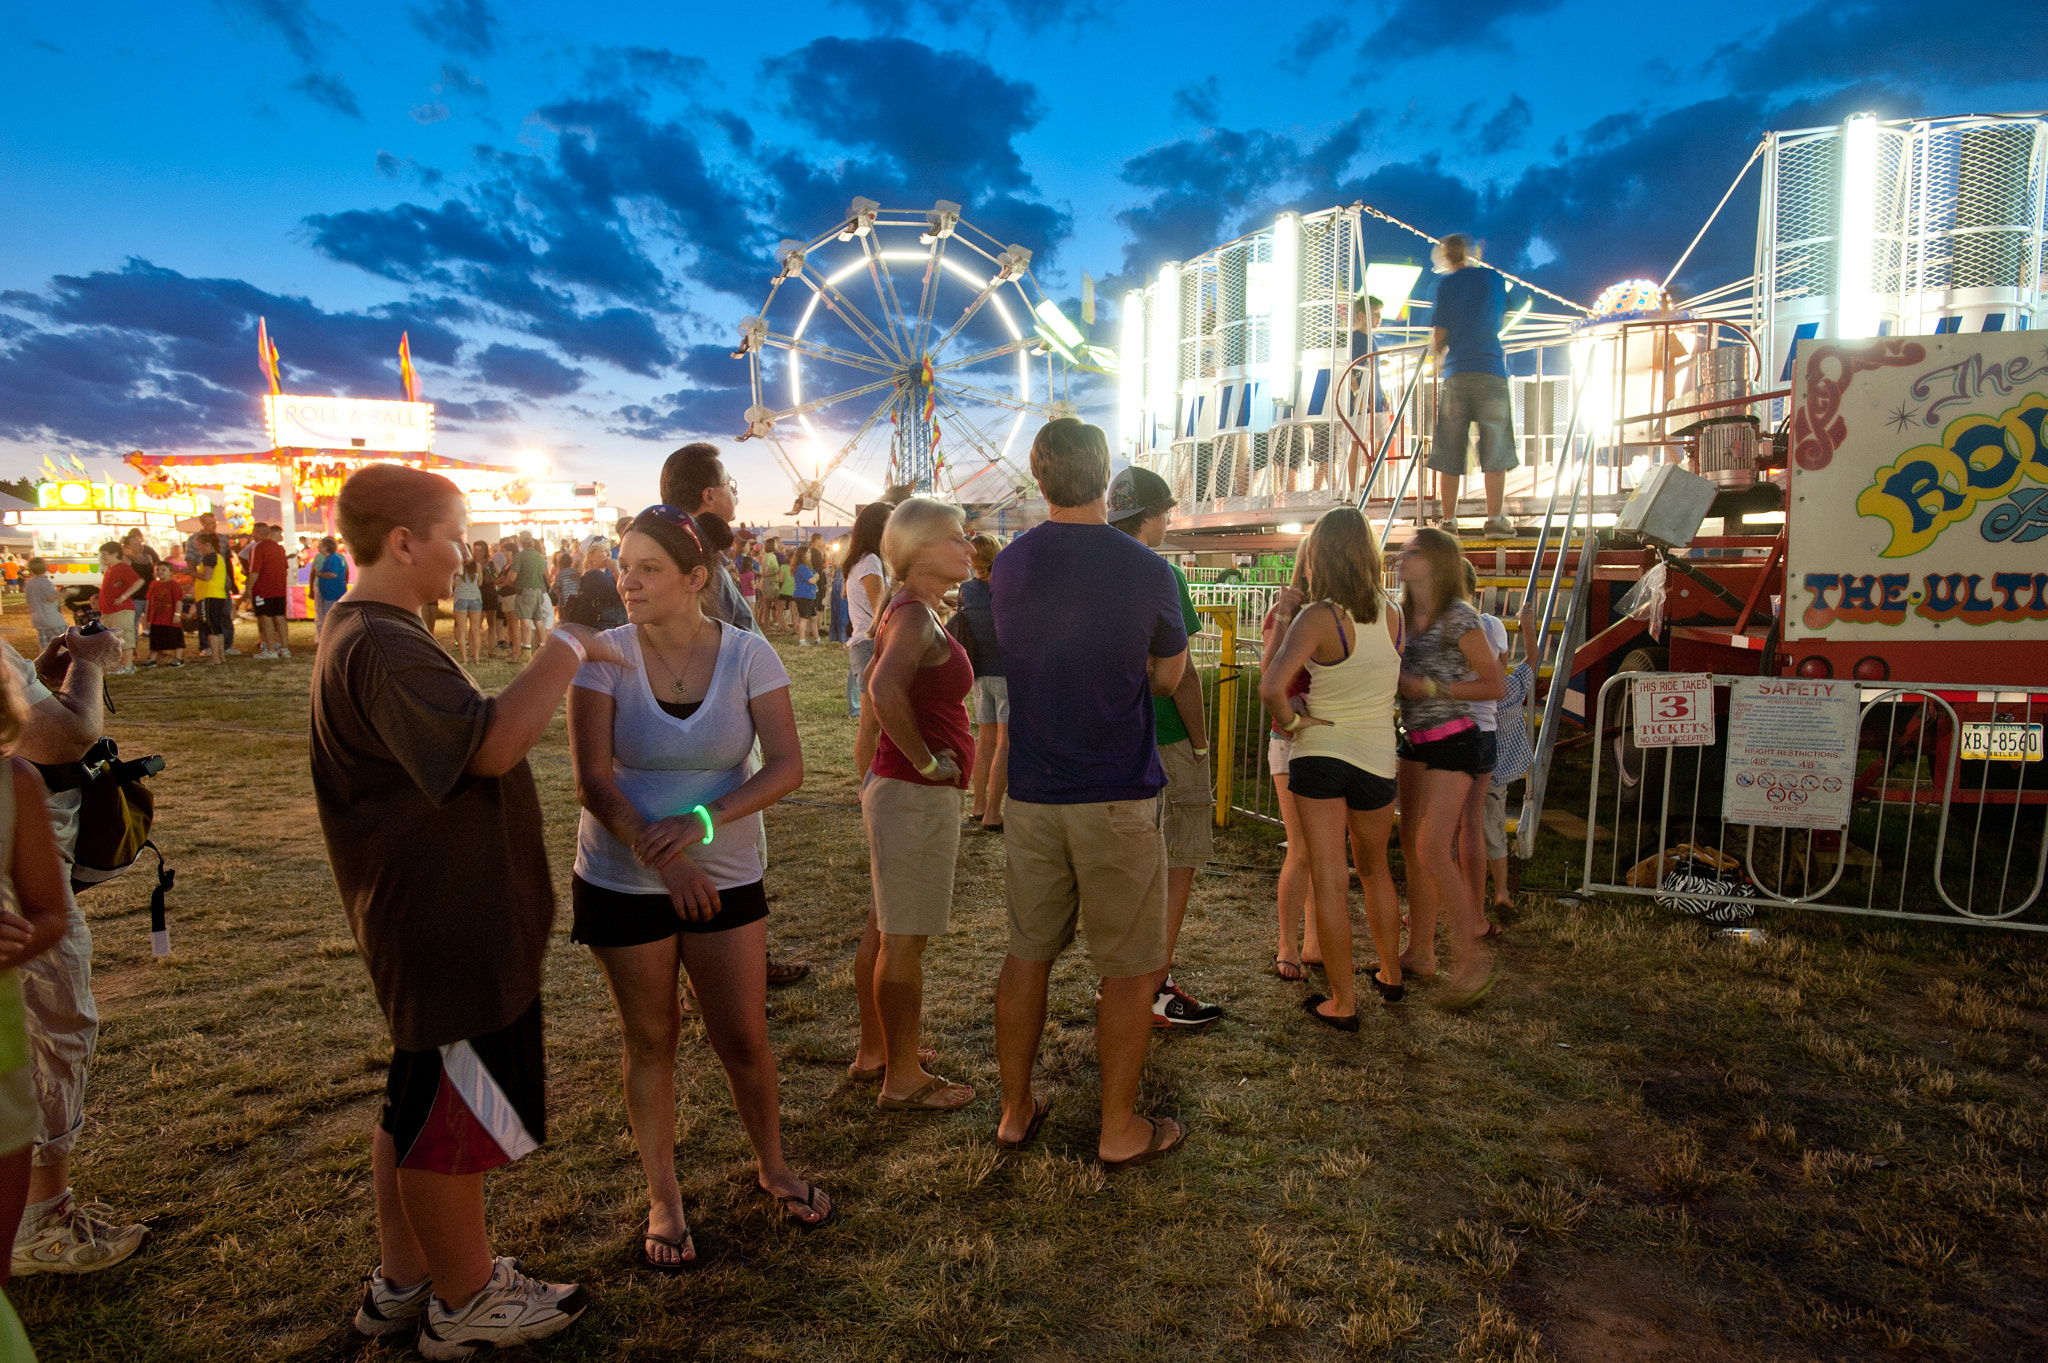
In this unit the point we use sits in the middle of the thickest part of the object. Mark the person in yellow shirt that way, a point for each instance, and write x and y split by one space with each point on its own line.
210 592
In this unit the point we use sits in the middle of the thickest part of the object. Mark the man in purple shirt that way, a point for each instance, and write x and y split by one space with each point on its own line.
1090 624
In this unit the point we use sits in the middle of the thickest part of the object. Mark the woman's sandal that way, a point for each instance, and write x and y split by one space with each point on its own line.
1281 966
1040 1106
1492 929
922 1100
925 1056
1391 993
1153 1148
685 1246
790 1202
1314 1002
1471 996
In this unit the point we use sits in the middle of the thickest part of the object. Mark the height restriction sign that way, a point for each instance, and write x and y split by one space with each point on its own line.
1674 710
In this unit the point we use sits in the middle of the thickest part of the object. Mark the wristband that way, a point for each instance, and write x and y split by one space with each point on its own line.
1201 752
576 645
1291 725
704 813
928 768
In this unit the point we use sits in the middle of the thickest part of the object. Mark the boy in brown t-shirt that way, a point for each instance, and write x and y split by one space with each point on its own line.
433 832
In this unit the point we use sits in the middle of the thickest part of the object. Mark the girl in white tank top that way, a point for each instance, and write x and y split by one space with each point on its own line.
1355 697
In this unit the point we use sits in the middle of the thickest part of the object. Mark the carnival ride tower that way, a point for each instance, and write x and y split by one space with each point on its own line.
1900 227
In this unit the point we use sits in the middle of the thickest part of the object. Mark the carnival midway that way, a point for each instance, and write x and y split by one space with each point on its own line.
1543 789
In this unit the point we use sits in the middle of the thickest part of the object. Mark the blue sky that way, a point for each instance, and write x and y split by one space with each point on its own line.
570 208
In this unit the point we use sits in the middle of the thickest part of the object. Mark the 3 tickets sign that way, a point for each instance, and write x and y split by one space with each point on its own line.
1919 495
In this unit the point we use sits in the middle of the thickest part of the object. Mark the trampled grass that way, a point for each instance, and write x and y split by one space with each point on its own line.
1643 1145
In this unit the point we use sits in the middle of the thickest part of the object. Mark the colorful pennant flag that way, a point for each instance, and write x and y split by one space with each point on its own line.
409 376
266 357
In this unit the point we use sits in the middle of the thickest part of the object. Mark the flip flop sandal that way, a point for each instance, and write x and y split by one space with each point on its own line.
1373 968
1153 1149
782 973
649 1262
1040 1106
920 1101
790 1201
925 1056
1454 1002
1281 967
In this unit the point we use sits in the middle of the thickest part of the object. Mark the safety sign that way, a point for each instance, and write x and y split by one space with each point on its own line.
1791 752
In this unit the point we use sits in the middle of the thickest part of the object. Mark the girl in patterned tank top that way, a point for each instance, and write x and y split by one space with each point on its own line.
1446 758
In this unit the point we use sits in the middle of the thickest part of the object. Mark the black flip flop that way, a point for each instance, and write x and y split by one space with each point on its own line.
653 1265
1040 1106
1281 966
790 1201
1310 1004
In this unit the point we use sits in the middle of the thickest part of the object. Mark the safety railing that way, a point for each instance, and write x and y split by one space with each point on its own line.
1945 812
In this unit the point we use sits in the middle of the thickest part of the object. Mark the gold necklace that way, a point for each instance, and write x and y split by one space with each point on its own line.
675 683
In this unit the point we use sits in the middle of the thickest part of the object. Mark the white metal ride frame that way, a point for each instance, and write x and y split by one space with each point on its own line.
915 381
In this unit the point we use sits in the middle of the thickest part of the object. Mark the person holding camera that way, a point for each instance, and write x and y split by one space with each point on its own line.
915 749
59 1234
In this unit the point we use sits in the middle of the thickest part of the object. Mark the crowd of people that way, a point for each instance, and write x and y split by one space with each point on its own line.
1039 690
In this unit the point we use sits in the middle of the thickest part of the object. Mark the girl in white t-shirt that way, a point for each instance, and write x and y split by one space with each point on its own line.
865 583
668 860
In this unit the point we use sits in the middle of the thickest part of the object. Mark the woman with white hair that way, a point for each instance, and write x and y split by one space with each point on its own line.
915 747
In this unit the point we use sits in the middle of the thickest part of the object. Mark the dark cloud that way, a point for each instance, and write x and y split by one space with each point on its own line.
649 66
393 167
936 116
304 33
715 406
465 26
327 89
433 111
1831 43
1318 36
1422 28
146 356
457 80
1196 186
534 373
1199 102
896 16
45 45
630 339
1506 129
482 410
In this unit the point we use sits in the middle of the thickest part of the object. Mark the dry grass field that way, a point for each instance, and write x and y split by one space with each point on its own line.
1644 1145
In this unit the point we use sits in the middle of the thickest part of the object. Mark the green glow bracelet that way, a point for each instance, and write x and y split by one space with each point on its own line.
705 814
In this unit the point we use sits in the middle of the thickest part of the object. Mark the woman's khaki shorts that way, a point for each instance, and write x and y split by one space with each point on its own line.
1101 866
913 843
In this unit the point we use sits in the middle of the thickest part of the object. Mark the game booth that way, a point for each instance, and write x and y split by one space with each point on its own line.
317 443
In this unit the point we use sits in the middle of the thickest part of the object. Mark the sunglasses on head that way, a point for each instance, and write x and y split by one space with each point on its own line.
676 516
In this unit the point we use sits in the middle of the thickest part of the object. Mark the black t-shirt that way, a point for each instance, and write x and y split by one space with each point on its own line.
443 875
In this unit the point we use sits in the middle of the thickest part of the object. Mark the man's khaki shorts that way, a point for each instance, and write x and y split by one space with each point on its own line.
1190 797
1101 866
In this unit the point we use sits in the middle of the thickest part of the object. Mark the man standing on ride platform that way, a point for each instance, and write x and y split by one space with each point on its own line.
1090 625
1470 301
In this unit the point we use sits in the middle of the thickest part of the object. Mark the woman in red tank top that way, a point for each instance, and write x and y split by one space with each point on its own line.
915 749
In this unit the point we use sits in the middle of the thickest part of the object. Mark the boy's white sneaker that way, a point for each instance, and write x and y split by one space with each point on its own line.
511 1309
386 1309
75 1237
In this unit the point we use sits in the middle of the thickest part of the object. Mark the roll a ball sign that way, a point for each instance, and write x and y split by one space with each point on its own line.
1917 522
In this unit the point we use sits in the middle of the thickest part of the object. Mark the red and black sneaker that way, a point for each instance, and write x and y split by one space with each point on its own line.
1173 1006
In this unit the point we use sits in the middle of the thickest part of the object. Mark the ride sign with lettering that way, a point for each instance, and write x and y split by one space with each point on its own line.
1673 710
1938 445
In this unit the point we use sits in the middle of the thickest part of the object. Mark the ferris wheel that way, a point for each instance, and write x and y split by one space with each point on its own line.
906 351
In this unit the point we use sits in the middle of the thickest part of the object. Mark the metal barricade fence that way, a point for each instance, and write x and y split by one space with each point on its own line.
1227 653
1934 835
